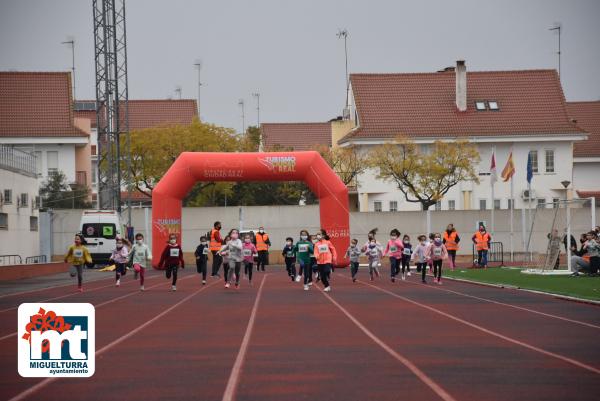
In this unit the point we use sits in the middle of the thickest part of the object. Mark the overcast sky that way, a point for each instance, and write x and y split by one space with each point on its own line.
288 50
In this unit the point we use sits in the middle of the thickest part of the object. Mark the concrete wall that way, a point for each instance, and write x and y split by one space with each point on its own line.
586 176
281 221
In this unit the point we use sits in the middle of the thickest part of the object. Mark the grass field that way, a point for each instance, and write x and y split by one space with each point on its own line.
581 287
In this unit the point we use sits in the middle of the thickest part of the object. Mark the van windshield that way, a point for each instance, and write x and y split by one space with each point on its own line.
99 230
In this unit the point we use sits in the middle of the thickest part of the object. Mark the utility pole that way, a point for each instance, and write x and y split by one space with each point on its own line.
71 43
557 27
198 65
178 92
257 96
343 33
241 104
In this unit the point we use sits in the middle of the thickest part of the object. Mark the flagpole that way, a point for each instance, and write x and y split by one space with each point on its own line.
512 225
492 181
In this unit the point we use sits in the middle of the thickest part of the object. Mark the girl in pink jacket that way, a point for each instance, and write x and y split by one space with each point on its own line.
394 250
437 252
248 251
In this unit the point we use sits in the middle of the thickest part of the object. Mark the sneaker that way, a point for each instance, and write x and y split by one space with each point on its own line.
327 289
142 288
226 285
310 283
403 277
203 282
173 288
297 279
408 273
423 281
353 279
80 289
393 279
371 278
118 283
237 286
306 287
439 281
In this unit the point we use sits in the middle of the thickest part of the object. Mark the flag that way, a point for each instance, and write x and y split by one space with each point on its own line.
493 173
529 168
509 169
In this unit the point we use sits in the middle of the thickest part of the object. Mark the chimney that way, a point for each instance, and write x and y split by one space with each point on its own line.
461 85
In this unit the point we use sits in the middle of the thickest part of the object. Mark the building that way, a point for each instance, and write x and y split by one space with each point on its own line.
297 136
142 114
586 154
19 204
521 111
36 116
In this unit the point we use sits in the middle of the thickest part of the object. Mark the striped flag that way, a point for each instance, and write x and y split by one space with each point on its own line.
509 169
493 173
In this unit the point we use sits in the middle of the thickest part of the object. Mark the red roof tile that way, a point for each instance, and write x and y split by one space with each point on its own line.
37 104
587 115
298 136
153 113
423 105
590 194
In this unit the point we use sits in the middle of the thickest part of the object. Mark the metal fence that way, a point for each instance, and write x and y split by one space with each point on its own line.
7 260
495 254
17 160
35 259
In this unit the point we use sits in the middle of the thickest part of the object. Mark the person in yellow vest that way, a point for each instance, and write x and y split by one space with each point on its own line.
451 240
262 246
482 240
77 256
216 242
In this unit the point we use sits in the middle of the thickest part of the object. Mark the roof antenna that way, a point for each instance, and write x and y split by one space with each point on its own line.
343 33
557 27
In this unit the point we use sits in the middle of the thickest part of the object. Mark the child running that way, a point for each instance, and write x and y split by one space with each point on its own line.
119 257
170 259
290 257
353 252
394 249
201 254
374 253
140 257
314 268
77 256
326 255
234 246
419 256
437 252
303 250
406 254
223 253
249 251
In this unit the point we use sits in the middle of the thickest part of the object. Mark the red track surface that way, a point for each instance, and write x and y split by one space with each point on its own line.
363 341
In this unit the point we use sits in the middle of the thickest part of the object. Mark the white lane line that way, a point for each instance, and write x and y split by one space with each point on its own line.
439 390
45 382
490 332
234 377
129 294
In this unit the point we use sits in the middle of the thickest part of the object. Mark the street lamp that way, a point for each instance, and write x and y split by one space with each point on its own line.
566 184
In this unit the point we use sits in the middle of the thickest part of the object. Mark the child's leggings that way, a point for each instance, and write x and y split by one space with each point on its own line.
324 271
422 267
172 271
79 269
373 267
142 274
405 263
248 268
437 268
307 271
353 268
394 266
234 267
119 270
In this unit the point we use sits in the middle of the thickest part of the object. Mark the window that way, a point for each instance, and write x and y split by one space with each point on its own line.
438 205
497 204
480 106
451 205
377 206
555 203
493 105
93 150
541 202
38 162
8 196
482 204
33 223
393 206
3 221
549 161
534 160
52 161
24 200
511 204
38 202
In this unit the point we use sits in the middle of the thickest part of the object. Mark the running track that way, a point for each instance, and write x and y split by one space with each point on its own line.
363 341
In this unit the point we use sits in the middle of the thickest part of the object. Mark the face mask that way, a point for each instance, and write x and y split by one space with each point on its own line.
203 242
353 245
481 230
234 236
319 236
393 238
437 241
139 241
303 237
172 241
314 241
289 242
247 240
372 245
77 242
406 241
119 245
422 242
261 231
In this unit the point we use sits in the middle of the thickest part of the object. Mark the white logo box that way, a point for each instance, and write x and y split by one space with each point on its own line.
78 361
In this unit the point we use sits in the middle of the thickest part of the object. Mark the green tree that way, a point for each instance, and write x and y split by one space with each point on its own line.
347 162
56 193
425 177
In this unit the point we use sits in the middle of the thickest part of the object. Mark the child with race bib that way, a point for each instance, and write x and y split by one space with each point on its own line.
353 252
326 255
374 253
394 249
437 252
170 259
234 248
119 257
140 258
201 255
248 252
77 256
303 250
406 254
290 257
420 258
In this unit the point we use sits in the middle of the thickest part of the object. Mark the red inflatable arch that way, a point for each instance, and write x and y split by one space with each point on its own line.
191 167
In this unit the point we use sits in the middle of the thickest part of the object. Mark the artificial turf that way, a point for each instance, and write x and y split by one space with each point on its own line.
580 287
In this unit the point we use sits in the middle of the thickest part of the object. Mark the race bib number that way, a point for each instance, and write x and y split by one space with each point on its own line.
374 252
78 253
303 248
205 251
323 249
393 248
174 252
290 254
437 251
407 251
247 252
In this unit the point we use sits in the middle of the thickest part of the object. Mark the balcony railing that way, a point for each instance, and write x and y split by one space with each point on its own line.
16 160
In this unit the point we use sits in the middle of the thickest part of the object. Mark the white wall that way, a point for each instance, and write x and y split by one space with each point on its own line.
586 176
66 158
19 239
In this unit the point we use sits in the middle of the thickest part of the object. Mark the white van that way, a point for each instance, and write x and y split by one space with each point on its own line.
100 229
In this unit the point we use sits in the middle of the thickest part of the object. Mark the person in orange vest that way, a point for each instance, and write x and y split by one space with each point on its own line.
451 240
482 240
262 246
215 245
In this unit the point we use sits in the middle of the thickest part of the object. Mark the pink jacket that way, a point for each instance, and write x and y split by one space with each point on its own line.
248 251
435 252
394 248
